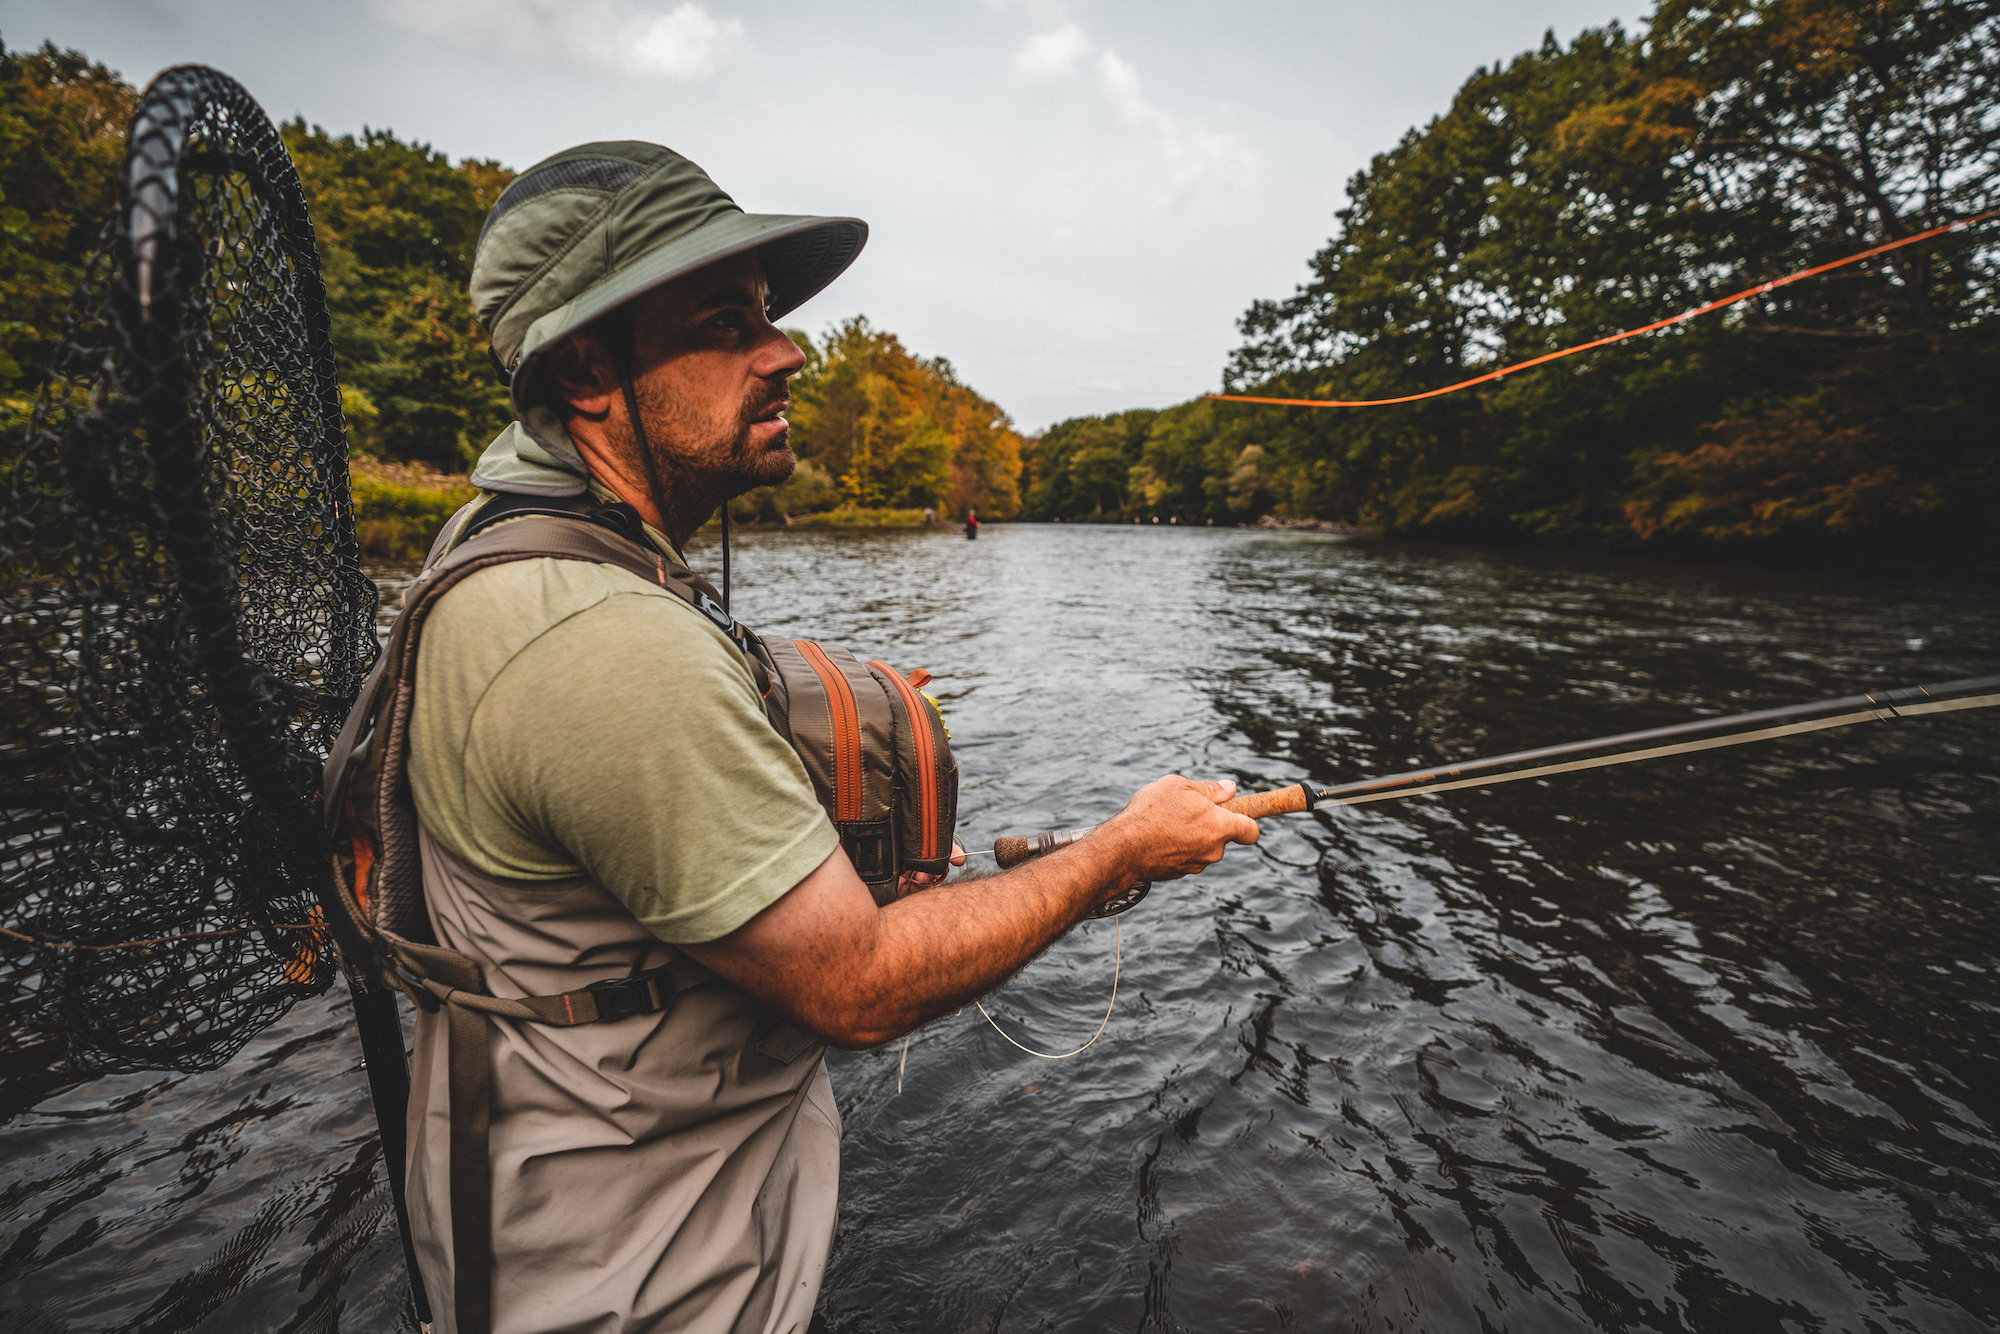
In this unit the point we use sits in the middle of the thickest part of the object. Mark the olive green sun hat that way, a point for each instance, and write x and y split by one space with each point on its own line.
589 229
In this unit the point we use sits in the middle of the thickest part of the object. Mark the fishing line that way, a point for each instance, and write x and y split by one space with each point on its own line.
1744 295
1764 725
1117 943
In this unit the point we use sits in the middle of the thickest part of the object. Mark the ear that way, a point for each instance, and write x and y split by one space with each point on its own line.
579 375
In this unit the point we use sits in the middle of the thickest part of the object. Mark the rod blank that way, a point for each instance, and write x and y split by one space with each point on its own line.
1596 753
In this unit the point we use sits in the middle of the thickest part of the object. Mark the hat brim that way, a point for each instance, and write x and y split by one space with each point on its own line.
801 255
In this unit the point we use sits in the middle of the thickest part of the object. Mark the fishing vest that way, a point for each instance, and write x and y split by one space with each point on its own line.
873 745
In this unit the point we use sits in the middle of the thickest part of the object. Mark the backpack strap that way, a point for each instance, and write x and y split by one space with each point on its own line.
371 819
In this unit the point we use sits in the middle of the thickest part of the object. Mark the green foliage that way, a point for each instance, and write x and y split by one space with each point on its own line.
1573 192
852 516
399 508
396 224
1578 191
62 136
807 491
1081 468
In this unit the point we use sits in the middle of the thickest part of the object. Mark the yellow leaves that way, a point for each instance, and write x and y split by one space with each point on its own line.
899 430
1641 131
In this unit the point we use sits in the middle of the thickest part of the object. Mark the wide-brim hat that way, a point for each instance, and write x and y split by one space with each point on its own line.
581 233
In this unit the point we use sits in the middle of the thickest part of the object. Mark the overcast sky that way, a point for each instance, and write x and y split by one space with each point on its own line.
1073 201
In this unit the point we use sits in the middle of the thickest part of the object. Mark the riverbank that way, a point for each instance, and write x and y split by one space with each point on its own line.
399 507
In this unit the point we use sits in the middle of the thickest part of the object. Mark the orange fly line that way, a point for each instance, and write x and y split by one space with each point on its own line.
1670 321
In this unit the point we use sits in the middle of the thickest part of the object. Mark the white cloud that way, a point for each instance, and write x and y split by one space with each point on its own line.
1052 54
1193 155
1120 85
620 37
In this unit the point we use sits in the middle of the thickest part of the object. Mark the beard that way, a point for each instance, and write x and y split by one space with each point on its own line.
706 451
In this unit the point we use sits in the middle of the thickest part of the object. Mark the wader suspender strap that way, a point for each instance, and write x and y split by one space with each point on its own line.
438 978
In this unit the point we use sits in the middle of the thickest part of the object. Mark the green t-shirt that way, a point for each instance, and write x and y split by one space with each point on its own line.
572 719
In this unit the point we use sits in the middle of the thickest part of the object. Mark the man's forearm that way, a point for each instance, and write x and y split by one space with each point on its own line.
940 949
858 975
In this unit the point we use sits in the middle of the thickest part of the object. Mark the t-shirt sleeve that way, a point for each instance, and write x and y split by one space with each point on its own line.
631 735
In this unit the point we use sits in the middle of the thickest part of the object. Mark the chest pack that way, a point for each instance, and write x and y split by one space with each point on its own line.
872 743
874 746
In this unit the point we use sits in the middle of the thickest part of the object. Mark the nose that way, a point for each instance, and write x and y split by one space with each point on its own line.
778 356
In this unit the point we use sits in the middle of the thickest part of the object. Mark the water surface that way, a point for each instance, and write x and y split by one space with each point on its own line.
1706 1044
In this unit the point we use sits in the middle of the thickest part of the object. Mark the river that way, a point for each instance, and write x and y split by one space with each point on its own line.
1708 1044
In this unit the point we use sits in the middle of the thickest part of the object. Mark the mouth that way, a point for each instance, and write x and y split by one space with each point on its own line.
773 414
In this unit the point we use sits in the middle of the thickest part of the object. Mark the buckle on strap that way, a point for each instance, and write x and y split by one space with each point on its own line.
622 997
413 983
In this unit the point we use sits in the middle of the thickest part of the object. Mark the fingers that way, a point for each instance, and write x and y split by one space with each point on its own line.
1221 791
957 853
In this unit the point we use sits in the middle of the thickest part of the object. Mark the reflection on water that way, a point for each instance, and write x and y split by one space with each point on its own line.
1708 1044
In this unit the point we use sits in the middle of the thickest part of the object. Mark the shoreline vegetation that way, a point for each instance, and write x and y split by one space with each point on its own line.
400 507
1567 194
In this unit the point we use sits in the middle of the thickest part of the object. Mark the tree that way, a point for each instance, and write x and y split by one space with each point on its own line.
397 224
1082 468
1579 191
62 137
893 429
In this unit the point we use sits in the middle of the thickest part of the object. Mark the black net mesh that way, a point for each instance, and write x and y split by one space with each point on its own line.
183 616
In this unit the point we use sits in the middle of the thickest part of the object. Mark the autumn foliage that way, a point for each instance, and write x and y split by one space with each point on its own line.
1570 193
891 429
396 222
1583 189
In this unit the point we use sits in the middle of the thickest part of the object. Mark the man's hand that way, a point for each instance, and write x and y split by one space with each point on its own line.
1177 826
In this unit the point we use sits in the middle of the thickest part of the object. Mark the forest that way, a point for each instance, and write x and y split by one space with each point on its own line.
1583 189
1575 191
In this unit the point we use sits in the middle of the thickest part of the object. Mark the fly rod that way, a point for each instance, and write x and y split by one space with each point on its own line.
1655 743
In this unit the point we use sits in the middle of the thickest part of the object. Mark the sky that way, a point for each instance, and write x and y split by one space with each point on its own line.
1073 201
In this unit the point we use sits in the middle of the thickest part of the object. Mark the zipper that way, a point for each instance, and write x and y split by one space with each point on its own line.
846 732
920 735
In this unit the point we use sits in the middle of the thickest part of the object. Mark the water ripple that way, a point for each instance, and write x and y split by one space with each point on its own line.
1707 1044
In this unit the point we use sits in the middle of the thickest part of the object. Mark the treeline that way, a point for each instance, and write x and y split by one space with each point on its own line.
876 427
396 224
1586 189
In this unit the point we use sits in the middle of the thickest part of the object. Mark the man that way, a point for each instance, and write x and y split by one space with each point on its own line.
599 792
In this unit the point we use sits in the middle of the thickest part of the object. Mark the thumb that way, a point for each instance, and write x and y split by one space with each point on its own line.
1218 791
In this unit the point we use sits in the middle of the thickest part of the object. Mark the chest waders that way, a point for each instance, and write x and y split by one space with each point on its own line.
874 747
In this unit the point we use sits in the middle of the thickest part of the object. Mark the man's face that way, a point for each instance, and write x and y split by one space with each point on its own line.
710 374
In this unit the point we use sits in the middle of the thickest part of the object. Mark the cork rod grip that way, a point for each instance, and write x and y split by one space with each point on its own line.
1257 805
1011 852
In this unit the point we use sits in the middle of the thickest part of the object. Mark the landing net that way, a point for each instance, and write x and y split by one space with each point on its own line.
183 616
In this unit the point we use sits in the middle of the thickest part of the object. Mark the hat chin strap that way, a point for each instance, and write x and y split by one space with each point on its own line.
621 357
